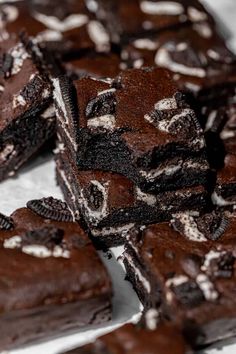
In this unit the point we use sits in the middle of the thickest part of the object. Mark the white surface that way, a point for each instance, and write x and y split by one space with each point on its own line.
38 180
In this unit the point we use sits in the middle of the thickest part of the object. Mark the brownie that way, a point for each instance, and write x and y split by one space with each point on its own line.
111 204
186 271
225 189
27 115
131 19
52 279
65 27
137 340
147 133
98 65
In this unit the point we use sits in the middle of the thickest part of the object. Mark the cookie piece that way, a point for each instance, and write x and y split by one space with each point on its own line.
53 279
145 132
189 279
110 204
27 114
50 208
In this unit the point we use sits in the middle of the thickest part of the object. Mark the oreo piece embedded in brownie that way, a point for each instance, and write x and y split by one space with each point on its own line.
146 132
66 28
135 339
27 115
110 204
189 279
53 278
225 190
125 20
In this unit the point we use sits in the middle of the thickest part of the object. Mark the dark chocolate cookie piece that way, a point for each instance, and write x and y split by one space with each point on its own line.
6 223
103 104
69 96
213 225
6 62
188 294
48 236
51 208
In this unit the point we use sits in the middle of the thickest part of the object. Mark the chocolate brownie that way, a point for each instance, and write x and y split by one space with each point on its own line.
146 132
65 27
225 190
52 279
188 274
110 204
134 339
134 18
27 116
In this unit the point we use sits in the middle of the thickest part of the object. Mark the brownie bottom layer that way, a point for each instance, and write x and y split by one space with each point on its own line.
25 326
22 140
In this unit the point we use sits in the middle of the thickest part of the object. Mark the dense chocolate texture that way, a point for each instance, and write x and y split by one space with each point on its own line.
136 340
145 132
52 279
27 113
189 274
125 20
65 27
111 204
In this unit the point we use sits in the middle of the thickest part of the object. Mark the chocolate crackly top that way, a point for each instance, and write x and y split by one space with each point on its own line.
153 116
55 258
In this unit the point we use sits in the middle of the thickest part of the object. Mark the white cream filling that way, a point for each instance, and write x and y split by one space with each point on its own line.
49 36
152 319
64 178
167 171
207 287
19 55
171 8
49 112
219 200
196 15
12 242
107 122
164 60
106 231
18 100
211 255
11 12
111 90
145 43
190 227
149 199
210 120
69 23
8 150
166 104
138 63
203 29
138 274
92 5
98 35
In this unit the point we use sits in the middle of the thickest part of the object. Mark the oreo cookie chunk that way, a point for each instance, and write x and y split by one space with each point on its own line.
27 114
135 339
52 279
147 133
192 283
110 204
126 20
66 28
225 190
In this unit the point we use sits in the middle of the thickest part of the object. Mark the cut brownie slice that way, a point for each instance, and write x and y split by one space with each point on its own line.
225 190
27 116
133 339
146 132
52 278
111 204
64 27
188 274
125 20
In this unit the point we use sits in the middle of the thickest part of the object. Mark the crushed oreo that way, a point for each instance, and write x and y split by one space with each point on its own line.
191 265
47 236
222 266
51 208
95 197
69 96
101 105
213 225
6 62
6 223
188 294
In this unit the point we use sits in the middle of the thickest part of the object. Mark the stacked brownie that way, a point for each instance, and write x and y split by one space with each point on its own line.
130 150
52 279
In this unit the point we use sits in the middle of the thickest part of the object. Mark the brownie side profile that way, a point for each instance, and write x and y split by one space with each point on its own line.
187 272
53 278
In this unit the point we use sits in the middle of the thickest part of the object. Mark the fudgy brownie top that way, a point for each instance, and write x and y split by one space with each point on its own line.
125 20
24 90
135 340
48 259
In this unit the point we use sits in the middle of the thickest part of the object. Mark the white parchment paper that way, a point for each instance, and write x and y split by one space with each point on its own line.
37 180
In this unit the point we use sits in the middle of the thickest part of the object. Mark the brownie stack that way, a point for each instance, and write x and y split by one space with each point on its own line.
130 151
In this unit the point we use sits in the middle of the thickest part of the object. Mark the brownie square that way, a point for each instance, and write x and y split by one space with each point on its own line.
111 204
145 132
27 115
133 339
126 20
52 279
64 27
225 190
187 271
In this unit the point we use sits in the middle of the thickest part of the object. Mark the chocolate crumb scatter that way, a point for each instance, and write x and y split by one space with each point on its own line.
51 208
48 236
